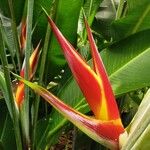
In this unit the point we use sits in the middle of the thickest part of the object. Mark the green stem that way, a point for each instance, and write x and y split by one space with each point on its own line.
120 9
113 5
25 106
15 33
41 75
42 70
43 62
13 111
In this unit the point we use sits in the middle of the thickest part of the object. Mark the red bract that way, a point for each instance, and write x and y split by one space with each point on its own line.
108 103
23 35
106 126
32 65
93 83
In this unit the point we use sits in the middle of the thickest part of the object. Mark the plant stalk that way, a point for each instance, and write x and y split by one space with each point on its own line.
120 9
36 102
13 111
25 106
41 75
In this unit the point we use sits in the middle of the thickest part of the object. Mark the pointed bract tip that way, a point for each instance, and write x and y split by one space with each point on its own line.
19 95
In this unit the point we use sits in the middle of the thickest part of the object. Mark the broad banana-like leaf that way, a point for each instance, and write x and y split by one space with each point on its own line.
136 19
139 127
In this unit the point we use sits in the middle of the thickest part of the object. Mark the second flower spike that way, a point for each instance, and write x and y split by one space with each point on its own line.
19 95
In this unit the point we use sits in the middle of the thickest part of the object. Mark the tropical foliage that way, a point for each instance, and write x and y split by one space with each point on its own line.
103 90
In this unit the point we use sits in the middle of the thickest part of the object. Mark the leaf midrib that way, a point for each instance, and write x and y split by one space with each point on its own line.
129 62
145 13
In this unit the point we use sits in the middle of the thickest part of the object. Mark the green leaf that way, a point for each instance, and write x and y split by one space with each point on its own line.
18 7
136 19
10 101
143 140
90 8
6 23
3 88
41 22
8 38
127 63
67 14
7 137
3 84
140 127
55 121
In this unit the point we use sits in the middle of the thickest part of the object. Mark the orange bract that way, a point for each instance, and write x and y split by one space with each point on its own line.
33 63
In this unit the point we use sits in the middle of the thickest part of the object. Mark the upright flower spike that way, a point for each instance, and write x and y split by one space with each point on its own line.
33 63
93 83
106 127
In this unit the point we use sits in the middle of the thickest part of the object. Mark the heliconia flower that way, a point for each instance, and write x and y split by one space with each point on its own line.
106 126
32 65
93 83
